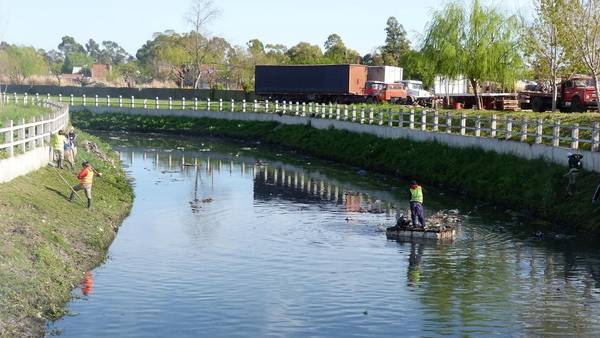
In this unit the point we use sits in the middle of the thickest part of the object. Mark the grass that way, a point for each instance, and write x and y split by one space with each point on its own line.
17 112
48 243
535 188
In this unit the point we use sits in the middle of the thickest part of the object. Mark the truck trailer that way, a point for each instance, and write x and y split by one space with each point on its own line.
324 83
575 95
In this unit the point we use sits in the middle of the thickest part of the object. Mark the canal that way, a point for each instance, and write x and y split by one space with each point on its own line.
236 240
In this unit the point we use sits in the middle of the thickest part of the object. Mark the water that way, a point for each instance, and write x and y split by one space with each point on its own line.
280 251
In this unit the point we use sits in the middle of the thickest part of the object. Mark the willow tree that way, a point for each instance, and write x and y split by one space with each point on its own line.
479 42
582 30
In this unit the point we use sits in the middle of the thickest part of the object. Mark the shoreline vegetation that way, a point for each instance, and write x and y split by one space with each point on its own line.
48 243
536 189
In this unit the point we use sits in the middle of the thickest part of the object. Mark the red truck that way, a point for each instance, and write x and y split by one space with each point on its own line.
575 95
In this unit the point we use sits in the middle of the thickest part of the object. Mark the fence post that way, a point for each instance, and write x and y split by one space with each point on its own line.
411 119
390 118
25 99
37 98
157 102
575 136
276 106
183 103
244 105
133 102
509 124
556 134
208 107
463 124
338 112
59 98
145 103
401 118
297 108
524 125
170 103
255 106
362 115
84 100
96 103
436 121
31 134
232 105
424 120
371 115
493 126
9 138
539 130
595 136
72 100
47 96
195 103
380 116
108 100
353 113
220 104
330 111
478 126
303 108
21 134
120 101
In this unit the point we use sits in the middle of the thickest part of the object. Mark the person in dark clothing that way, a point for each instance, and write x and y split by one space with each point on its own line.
416 204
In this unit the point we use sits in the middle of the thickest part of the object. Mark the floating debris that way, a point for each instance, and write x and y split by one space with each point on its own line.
93 148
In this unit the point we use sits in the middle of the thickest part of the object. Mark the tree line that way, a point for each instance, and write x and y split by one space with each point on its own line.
479 43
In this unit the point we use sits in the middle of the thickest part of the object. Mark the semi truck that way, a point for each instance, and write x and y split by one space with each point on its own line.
346 83
575 95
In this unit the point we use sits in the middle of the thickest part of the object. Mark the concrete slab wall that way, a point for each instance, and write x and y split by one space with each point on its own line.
523 150
23 164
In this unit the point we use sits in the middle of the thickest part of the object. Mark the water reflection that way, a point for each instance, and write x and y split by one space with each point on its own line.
231 242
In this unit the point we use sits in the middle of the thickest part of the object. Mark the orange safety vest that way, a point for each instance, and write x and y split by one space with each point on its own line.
86 176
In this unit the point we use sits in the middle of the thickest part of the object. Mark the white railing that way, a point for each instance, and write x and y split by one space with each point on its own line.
22 136
537 131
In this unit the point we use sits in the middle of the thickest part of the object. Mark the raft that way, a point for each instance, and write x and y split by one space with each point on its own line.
441 226
435 233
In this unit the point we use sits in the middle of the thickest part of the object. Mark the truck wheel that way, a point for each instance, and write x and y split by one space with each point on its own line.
410 100
576 106
537 104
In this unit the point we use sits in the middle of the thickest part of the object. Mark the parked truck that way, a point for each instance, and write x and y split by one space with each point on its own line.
575 95
324 83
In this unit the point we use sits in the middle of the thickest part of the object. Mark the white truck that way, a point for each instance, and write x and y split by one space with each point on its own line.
416 93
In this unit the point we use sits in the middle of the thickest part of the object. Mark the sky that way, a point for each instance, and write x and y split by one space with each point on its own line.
131 23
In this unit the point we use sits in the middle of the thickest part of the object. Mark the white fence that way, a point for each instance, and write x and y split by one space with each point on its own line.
26 143
538 131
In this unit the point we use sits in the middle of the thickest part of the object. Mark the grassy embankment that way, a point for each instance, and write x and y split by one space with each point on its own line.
535 188
47 243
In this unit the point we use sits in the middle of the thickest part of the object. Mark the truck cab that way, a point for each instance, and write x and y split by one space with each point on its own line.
377 91
416 93
578 94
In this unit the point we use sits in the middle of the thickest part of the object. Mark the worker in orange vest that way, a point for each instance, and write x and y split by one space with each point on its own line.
86 178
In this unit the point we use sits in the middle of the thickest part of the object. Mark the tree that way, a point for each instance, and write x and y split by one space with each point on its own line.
76 59
396 42
19 63
68 45
373 59
130 73
112 53
276 54
93 49
546 41
55 61
582 30
482 44
336 51
200 15
305 53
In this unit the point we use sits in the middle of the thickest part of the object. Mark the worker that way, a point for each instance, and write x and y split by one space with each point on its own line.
69 155
86 178
72 137
416 204
59 148
575 165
